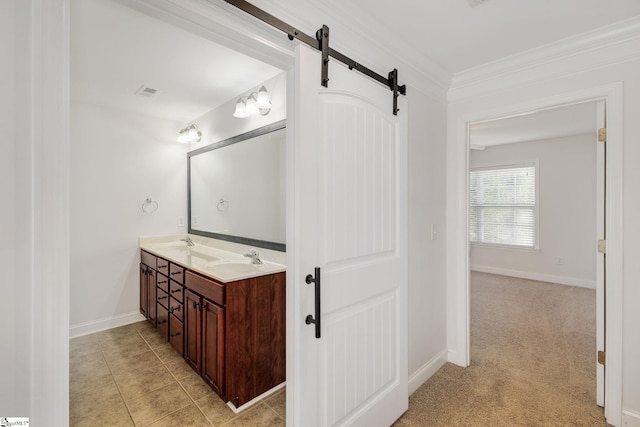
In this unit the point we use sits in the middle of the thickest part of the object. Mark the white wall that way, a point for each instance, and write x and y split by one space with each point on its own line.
15 221
546 78
118 159
427 290
567 212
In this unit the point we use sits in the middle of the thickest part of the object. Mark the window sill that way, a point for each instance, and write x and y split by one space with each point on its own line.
504 247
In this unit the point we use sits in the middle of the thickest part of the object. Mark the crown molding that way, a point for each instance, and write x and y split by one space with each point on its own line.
593 49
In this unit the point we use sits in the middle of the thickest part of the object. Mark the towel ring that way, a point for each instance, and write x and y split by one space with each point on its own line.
223 205
149 206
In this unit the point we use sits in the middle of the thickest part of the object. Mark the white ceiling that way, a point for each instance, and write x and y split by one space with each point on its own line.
459 37
547 124
115 50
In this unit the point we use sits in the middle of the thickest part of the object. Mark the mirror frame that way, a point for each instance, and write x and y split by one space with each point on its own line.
224 143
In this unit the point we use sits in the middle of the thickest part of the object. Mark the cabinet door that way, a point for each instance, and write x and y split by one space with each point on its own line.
144 290
192 327
213 346
151 305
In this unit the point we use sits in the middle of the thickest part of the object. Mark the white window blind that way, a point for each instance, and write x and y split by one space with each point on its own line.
503 205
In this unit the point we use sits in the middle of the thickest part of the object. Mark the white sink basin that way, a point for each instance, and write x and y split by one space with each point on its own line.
217 263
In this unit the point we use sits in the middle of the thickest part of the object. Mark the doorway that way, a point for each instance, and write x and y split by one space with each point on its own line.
458 259
536 209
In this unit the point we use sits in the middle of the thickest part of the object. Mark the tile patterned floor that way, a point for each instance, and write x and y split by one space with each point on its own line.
129 376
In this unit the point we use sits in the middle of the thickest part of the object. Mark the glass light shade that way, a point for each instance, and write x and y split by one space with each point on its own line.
241 109
193 133
251 105
183 137
263 100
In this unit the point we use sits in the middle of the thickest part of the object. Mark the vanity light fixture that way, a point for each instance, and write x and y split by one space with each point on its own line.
190 134
256 102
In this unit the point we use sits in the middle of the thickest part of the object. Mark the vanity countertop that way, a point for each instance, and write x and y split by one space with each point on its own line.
203 257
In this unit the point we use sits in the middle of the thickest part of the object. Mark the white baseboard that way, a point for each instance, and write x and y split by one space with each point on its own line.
561 280
630 418
425 372
103 324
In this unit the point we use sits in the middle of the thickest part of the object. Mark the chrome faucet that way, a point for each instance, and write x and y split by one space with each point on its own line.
188 240
255 256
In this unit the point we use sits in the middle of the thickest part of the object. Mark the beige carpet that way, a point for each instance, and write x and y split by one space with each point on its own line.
532 361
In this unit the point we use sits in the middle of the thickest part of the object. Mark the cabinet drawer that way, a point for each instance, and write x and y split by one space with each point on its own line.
163 282
208 288
147 259
163 298
176 273
176 308
176 334
162 265
176 291
163 321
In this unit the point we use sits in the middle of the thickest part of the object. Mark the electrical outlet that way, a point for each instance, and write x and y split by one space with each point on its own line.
434 232
194 220
180 221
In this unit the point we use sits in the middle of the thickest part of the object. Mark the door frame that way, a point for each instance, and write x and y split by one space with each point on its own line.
458 262
49 107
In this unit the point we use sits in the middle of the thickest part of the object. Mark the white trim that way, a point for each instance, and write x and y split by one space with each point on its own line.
256 399
560 280
603 46
49 102
457 228
426 371
93 326
630 418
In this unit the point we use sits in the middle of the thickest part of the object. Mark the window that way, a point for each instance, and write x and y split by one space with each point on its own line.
503 205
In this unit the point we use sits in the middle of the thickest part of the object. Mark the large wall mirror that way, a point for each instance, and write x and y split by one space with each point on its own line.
236 188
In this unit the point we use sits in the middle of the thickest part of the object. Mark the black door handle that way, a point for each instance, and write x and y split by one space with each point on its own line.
310 319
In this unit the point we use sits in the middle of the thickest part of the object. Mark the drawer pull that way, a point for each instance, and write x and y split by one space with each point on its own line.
164 297
160 322
176 272
175 335
162 281
162 266
176 308
176 290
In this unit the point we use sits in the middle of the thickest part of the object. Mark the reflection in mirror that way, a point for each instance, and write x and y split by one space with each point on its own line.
236 188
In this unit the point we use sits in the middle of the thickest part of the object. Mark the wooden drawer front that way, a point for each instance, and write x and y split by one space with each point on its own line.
162 265
176 273
148 259
176 291
176 334
163 282
208 288
163 298
163 321
176 308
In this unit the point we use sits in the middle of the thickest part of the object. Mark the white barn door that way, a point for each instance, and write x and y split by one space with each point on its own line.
350 221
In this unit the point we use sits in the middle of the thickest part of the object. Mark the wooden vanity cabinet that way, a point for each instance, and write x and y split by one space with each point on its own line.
232 334
236 339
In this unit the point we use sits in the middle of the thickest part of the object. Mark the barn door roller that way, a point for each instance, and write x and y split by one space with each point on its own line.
321 43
